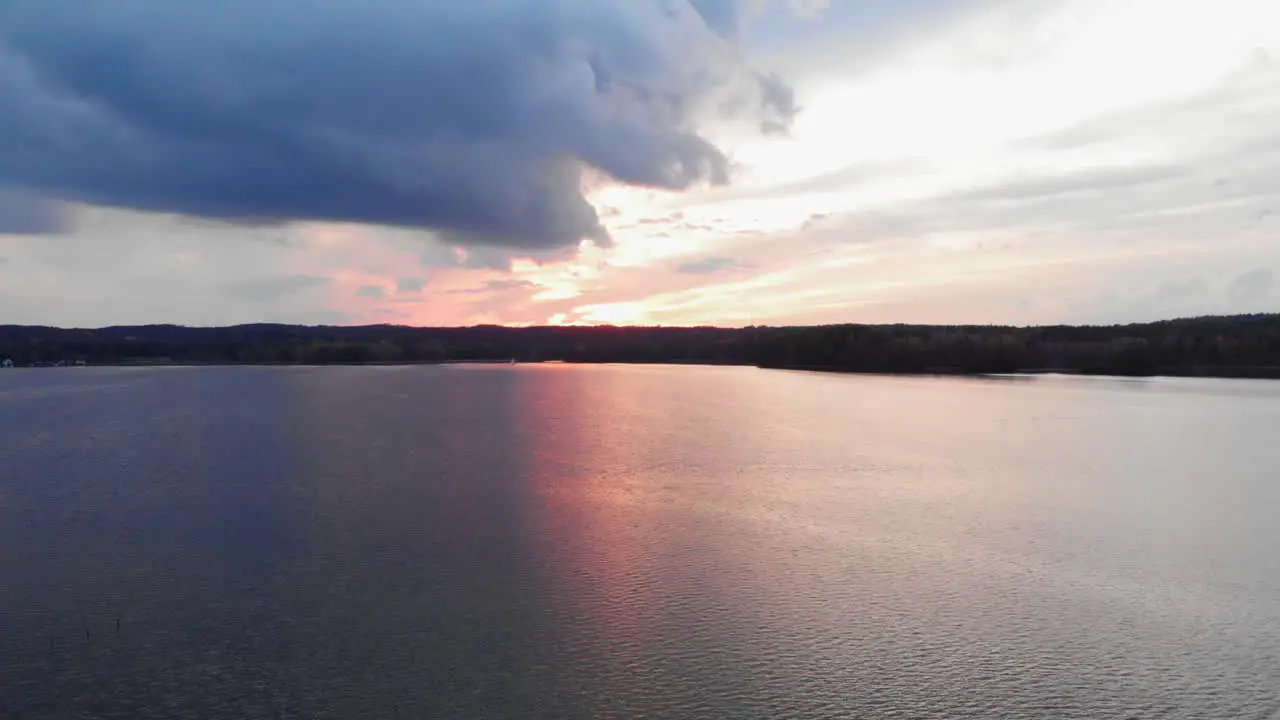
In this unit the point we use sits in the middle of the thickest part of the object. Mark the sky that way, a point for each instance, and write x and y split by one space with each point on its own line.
675 162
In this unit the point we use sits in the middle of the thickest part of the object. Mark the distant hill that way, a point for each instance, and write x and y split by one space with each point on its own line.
1240 345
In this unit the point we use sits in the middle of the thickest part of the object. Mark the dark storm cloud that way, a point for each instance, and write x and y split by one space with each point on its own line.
475 118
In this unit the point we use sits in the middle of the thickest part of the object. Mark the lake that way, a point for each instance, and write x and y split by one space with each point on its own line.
563 541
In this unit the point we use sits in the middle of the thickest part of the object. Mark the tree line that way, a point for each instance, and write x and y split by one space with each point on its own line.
1242 345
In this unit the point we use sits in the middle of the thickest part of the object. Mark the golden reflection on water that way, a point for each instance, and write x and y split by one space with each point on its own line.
591 511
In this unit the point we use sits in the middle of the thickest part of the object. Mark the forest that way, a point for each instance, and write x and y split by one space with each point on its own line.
1234 346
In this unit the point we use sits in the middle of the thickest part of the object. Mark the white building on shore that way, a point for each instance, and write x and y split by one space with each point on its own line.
6 363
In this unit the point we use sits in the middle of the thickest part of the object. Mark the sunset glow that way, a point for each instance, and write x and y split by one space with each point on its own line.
960 167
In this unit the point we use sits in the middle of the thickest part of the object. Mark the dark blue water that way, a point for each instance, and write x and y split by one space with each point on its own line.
596 542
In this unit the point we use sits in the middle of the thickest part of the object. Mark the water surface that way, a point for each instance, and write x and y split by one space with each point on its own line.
624 542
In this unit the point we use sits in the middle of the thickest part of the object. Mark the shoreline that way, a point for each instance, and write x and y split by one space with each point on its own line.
1221 373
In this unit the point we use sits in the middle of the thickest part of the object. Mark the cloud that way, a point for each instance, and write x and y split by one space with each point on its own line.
1252 286
495 286
24 214
810 8
777 103
1045 186
1181 289
814 221
270 289
111 265
663 220
405 286
1091 199
1238 105
374 292
858 174
475 118
729 17
707 266
726 17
